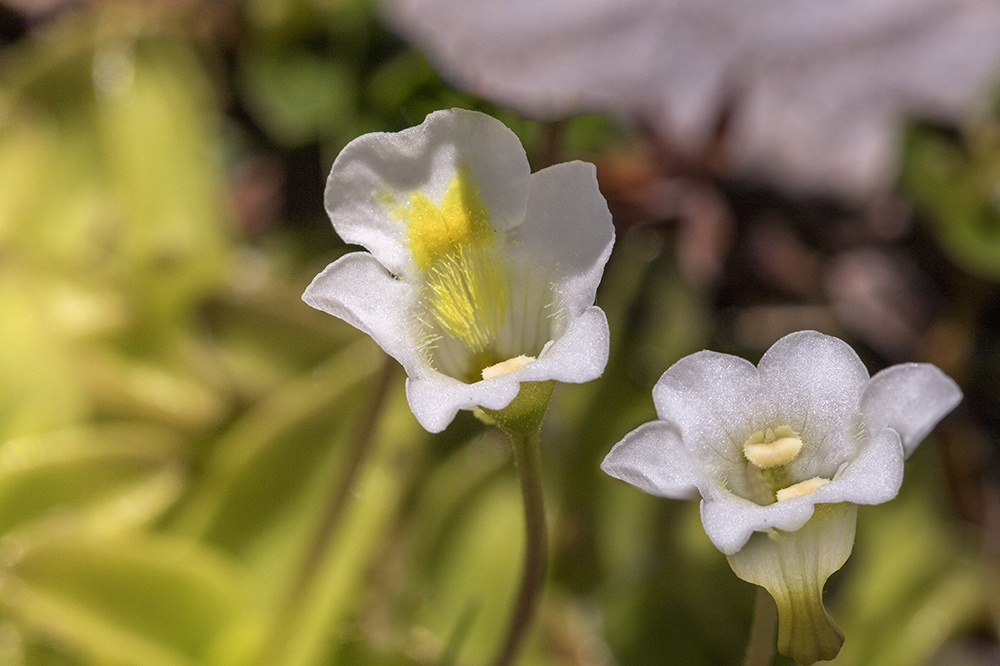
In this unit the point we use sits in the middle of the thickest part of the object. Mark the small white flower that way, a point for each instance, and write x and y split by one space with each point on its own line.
781 453
479 274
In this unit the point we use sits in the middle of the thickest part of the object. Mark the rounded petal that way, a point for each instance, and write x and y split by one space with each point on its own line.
435 398
872 478
578 356
910 398
376 169
652 458
359 290
730 520
813 383
568 228
709 396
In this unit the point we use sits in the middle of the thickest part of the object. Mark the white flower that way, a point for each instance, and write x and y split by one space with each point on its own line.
813 91
781 453
475 266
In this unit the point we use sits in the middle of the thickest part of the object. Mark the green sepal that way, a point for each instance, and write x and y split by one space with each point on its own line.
522 418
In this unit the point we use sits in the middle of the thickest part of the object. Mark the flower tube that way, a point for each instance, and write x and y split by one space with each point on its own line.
781 454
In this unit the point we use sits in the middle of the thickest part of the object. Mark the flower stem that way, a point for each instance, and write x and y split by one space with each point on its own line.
527 460
760 647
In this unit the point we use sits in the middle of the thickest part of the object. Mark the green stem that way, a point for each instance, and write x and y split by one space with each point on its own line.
527 460
760 647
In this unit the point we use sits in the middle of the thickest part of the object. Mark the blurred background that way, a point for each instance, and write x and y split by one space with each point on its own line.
196 468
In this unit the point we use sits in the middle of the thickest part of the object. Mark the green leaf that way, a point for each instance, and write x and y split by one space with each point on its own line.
114 476
147 601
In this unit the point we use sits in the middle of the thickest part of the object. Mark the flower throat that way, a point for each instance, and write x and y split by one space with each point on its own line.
465 284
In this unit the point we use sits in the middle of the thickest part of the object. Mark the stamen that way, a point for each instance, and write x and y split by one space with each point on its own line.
507 367
801 488
772 448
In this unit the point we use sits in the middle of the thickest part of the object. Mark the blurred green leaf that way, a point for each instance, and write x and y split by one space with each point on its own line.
267 459
148 601
113 476
300 96
957 181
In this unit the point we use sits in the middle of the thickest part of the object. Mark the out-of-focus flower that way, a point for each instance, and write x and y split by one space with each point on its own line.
781 454
813 90
480 275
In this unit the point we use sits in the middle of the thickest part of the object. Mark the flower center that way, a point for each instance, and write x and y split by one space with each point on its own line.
772 448
464 287
768 480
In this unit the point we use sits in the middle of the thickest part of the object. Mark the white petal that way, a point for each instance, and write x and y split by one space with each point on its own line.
872 478
359 290
424 158
814 384
578 356
730 520
652 458
435 398
567 228
709 396
910 398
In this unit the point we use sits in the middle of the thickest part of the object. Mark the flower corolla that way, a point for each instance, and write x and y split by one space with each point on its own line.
479 274
781 454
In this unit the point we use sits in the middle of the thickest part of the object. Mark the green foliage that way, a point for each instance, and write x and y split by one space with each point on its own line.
956 179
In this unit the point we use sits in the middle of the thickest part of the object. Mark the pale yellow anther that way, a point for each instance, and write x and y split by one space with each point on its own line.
772 448
801 488
507 367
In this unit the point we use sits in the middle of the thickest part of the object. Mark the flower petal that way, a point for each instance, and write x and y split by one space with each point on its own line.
872 478
578 356
793 567
814 383
568 227
652 458
359 290
708 395
730 521
380 167
435 398
910 398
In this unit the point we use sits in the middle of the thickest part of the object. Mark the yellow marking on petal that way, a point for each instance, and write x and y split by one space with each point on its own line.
773 448
463 278
466 295
801 488
434 230
507 367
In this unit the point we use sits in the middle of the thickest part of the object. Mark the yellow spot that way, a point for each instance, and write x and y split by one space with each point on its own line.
507 367
772 448
801 488
463 277
434 230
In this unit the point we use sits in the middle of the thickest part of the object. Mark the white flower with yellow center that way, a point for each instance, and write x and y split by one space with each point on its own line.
479 274
781 454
